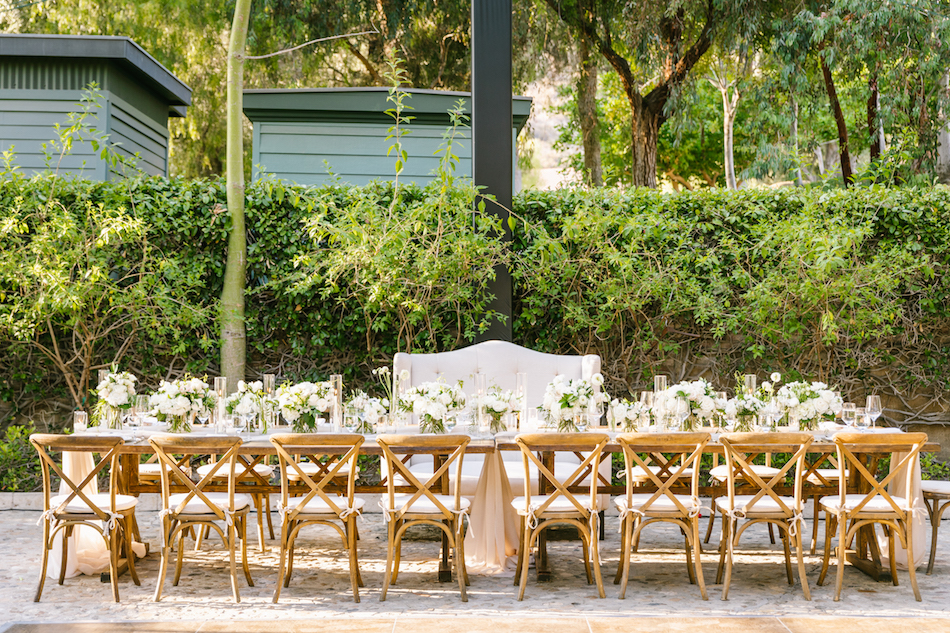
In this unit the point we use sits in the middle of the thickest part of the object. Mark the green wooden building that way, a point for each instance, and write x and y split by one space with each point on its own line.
301 134
42 79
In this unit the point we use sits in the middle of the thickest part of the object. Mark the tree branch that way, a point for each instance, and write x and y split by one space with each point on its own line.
319 39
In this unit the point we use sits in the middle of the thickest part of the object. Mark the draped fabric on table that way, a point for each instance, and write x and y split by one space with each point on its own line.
919 516
491 544
87 553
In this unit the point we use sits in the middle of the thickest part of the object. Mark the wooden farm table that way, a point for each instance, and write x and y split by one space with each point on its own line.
867 554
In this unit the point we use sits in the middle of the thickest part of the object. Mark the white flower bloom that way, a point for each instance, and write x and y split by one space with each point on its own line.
776 377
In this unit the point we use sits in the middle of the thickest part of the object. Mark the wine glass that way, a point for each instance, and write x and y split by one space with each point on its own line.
681 412
874 409
595 413
848 413
203 415
861 418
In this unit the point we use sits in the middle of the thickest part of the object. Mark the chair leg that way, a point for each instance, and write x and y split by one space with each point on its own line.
200 535
799 548
826 558
129 552
260 521
282 560
522 560
911 568
45 561
233 566
814 525
697 558
270 522
390 553
842 540
602 530
623 569
163 566
66 534
398 553
712 517
595 552
585 549
688 547
526 546
727 523
181 555
114 562
934 524
720 571
624 544
786 548
247 569
890 553
354 562
771 534
460 562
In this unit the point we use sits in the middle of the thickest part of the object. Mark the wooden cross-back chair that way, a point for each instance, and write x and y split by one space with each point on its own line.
851 512
423 506
560 506
62 513
761 503
251 472
334 456
936 499
199 507
668 504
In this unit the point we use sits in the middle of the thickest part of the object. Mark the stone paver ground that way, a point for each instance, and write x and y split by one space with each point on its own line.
319 596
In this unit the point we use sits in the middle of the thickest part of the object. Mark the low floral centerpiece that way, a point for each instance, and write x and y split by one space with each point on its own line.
249 401
808 403
300 404
497 404
744 409
567 402
116 392
432 402
368 409
624 415
698 393
178 402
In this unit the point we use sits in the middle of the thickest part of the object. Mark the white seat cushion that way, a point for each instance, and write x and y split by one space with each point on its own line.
561 504
935 487
240 469
197 506
662 504
102 501
765 504
312 469
639 475
424 505
830 474
765 472
876 505
318 506
153 470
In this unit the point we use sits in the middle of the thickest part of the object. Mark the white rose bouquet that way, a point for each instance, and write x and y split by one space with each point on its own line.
809 403
432 402
565 399
698 393
301 402
179 401
625 414
115 392
744 409
498 404
368 408
250 400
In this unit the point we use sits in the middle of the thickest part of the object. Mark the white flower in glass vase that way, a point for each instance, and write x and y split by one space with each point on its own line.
625 415
809 403
249 401
177 403
116 392
300 403
497 403
368 409
566 401
432 402
698 393
744 409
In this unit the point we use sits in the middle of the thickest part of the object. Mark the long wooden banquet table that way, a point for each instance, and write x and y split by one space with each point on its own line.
867 555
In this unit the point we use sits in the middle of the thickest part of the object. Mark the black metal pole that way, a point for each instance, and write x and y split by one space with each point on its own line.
492 139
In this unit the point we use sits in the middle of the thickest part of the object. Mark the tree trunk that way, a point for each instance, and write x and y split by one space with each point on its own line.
793 134
587 113
233 338
875 147
645 128
846 173
729 107
943 136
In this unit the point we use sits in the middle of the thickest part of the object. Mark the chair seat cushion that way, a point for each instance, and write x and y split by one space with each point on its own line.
876 505
661 505
197 506
424 505
312 469
766 505
830 474
318 506
721 472
153 470
935 487
240 469
560 505
639 475
101 500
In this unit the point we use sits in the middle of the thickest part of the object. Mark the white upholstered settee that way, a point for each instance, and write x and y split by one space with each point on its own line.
500 361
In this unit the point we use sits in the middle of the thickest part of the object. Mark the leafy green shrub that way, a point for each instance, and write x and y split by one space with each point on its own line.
19 463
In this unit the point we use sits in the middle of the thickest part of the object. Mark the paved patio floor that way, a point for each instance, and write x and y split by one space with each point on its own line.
659 598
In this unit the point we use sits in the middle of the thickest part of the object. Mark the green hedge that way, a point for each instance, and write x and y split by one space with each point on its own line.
848 286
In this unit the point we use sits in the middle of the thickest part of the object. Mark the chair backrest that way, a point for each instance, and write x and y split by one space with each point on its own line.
742 448
501 362
850 445
591 444
106 446
687 449
166 446
450 447
331 453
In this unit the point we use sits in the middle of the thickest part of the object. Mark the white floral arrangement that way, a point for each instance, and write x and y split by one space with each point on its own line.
744 408
369 408
299 403
498 403
699 393
808 403
250 400
179 401
115 392
565 398
625 414
432 402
